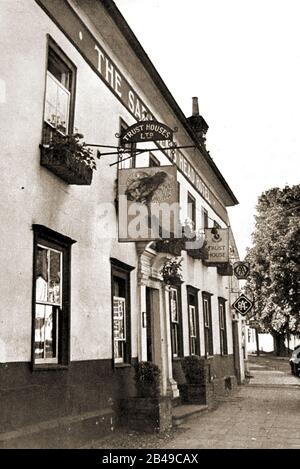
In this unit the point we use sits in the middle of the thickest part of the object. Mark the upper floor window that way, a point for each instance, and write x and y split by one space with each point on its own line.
153 161
60 92
127 160
51 314
204 215
191 210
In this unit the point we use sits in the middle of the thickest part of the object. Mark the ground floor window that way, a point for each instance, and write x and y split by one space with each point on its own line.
223 329
175 317
207 320
121 311
192 295
51 297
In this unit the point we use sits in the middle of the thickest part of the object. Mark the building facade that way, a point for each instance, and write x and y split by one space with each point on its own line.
79 308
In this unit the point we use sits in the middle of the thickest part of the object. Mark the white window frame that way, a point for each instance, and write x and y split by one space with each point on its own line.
122 301
175 322
193 329
56 308
67 93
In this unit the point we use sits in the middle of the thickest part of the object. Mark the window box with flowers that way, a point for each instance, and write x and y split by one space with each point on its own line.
69 158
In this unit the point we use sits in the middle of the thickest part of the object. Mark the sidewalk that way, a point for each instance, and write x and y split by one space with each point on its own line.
262 414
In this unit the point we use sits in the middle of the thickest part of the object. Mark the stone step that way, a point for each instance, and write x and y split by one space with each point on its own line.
60 433
183 413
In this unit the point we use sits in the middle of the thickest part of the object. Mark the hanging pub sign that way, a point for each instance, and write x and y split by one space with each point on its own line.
217 245
146 131
148 203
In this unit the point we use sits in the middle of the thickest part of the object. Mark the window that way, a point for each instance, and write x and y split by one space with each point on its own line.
175 323
153 161
127 160
204 215
121 311
208 339
60 92
191 210
223 331
51 297
193 320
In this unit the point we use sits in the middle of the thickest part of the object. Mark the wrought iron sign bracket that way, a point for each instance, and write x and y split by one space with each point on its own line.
141 132
132 151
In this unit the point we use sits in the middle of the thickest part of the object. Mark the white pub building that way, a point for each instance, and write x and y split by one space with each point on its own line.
81 304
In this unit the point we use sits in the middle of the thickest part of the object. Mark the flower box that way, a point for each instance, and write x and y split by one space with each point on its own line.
65 165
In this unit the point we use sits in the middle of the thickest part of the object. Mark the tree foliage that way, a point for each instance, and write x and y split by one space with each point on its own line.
274 280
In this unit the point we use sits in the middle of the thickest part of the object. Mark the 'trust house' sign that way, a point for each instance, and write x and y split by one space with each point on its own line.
146 131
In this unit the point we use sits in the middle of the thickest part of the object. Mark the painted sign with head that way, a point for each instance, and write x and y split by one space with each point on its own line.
148 203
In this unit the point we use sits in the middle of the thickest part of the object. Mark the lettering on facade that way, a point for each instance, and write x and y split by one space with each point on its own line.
67 19
146 131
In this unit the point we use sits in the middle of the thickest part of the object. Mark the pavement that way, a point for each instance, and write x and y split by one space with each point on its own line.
263 414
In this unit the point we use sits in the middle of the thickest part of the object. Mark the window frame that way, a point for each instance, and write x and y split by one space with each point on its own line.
43 236
178 324
47 127
122 126
191 202
223 326
153 159
193 292
207 324
122 271
204 221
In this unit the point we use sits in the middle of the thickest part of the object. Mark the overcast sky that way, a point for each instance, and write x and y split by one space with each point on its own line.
242 59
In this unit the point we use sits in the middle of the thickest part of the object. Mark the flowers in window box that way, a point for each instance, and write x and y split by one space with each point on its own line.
69 158
171 271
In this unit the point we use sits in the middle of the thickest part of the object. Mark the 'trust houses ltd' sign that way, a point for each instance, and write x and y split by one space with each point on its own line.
66 18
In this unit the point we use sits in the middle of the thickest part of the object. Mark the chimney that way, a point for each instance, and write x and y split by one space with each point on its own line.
195 106
197 122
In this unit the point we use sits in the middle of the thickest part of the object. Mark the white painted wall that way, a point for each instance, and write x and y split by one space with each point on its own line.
32 194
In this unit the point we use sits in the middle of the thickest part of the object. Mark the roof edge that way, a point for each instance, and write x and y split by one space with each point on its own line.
133 41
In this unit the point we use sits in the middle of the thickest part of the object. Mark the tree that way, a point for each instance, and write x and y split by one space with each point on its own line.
274 280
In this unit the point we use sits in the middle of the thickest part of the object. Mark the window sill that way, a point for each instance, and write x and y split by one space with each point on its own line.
49 367
122 365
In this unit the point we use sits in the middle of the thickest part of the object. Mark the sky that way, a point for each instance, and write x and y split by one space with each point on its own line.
242 59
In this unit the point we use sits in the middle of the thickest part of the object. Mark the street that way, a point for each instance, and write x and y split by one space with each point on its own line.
261 414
